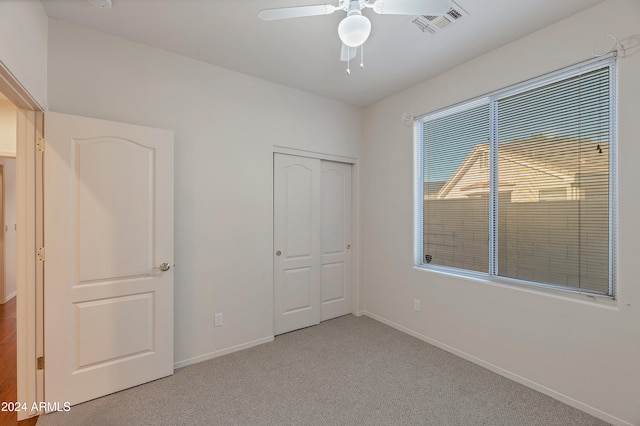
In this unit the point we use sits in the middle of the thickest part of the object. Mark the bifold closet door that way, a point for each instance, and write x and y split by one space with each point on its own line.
312 228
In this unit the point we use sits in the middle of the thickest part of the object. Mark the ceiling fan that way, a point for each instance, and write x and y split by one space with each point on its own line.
355 28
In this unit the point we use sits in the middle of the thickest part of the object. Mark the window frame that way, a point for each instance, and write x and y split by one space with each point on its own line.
492 100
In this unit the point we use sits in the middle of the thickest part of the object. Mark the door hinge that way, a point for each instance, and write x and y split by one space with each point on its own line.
40 144
40 254
40 363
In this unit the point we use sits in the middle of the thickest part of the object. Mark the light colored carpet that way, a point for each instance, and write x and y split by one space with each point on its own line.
347 371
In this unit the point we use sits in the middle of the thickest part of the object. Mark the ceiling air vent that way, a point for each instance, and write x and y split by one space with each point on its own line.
433 24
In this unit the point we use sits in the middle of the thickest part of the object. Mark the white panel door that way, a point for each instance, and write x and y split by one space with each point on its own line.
296 242
108 220
335 275
312 230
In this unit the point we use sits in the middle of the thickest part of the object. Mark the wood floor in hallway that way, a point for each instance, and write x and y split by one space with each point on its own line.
8 368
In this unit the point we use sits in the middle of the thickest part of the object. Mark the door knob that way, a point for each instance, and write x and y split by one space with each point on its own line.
165 267
278 253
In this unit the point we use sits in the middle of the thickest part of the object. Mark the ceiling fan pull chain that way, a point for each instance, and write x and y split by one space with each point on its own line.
348 66
362 57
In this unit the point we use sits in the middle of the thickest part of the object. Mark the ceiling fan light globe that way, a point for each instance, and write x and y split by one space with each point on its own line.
354 30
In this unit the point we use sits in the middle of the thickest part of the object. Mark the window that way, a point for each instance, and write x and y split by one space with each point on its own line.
520 186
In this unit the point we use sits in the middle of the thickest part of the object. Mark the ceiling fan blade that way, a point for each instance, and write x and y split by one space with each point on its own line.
296 12
348 53
412 7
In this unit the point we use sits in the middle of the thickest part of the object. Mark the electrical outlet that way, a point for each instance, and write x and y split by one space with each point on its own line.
416 305
218 320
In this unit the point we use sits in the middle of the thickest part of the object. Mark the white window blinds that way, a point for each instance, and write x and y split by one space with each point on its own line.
456 189
520 185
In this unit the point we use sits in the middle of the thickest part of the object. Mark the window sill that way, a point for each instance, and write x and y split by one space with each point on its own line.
547 290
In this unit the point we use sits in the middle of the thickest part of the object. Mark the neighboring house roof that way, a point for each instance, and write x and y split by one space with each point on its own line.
563 159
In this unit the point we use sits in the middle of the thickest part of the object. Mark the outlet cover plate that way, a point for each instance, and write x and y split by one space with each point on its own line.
218 320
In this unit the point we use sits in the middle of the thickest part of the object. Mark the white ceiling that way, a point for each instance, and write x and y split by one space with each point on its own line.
304 53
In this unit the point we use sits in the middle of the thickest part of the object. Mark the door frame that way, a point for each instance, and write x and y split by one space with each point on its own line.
357 302
29 275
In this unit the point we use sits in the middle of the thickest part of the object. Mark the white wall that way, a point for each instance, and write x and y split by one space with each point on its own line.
10 210
8 128
581 351
23 50
226 125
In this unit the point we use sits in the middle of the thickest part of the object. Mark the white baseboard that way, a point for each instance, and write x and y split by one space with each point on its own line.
505 373
211 355
9 297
